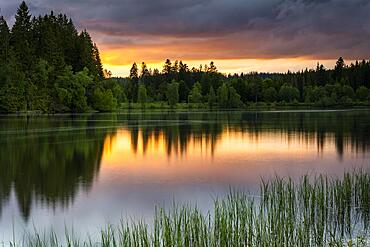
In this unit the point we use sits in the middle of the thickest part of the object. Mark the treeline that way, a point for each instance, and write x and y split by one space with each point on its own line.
47 65
176 83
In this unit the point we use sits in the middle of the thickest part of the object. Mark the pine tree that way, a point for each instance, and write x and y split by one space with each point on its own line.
144 70
212 68
338 70
4 41
133 83
46 31
89 56
69 42
21 38
167 68
98 63
134 74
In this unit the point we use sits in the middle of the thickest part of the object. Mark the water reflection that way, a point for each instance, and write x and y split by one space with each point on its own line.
49 160
346 130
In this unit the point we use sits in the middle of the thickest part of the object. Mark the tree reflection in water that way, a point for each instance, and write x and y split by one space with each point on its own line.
50 159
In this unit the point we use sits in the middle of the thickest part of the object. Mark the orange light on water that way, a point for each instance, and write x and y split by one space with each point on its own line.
126 148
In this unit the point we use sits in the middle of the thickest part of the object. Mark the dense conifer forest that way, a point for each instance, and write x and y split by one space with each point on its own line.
46 65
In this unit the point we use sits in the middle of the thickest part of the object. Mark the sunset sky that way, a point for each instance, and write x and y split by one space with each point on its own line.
239 35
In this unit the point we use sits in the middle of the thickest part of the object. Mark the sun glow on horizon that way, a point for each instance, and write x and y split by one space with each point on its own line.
226 66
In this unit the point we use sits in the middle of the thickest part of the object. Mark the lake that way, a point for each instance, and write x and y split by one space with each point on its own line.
83 171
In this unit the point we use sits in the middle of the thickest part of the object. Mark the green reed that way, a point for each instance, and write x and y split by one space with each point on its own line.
316 211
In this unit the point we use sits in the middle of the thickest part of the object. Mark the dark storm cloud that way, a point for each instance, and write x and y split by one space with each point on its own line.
240 28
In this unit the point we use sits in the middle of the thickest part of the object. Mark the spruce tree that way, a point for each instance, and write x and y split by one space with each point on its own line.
98 63
21 38
133 83
4 40
89 56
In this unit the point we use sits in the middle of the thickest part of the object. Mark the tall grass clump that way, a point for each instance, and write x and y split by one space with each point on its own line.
316 211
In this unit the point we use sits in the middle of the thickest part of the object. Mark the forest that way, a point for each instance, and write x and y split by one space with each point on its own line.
345 85
47 65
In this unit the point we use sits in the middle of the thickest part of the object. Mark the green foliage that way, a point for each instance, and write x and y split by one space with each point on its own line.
12 91
270 95
241 87
320 87
71 89
254 90
234 98
142 97
4 40
348 92
42 65
334 94
183 91
21 41
195 95
104 100
362 93
116 88
173 93
132 86
43 61
39 98
212 98
314 94
288 93
223 96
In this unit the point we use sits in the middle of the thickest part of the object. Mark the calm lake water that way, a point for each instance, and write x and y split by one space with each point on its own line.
84 171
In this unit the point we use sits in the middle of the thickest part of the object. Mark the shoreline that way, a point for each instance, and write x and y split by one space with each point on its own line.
182 107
